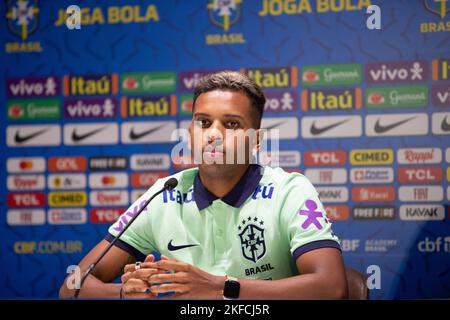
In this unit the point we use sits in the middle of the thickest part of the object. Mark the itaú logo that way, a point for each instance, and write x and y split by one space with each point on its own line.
439 245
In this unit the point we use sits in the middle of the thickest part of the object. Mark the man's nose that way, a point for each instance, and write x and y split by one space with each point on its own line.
214 133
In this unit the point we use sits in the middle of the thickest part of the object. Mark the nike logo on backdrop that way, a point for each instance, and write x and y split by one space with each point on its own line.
172 247
20 139
316 131
78 137
445 126
382 129
136 136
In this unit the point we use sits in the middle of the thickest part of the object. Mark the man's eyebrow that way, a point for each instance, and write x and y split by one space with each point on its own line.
197 114
233 116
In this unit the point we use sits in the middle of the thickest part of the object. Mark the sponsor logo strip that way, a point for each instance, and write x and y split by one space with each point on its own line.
25 165
373 194
326 176
331 127
67 199
371 156
419 155
421 193
419 174
422 212
25 217
371 175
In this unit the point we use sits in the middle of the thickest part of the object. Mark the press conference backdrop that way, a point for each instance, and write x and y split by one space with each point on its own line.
87 116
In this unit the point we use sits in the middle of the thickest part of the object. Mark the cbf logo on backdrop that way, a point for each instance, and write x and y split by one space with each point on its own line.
23 20
440 8
252 239
224 14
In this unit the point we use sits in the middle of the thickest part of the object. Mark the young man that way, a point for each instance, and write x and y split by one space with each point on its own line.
230 229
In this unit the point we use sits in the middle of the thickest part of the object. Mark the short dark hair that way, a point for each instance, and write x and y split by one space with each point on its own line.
233 81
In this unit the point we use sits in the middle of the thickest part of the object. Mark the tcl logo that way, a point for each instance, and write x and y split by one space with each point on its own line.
20 200
337 213
325 158
109 215
68 164
419 174
139 180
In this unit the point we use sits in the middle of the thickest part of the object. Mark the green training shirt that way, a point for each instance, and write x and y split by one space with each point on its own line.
256 231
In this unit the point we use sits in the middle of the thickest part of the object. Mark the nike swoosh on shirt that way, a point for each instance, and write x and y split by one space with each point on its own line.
445 126
79 137
136 136
382 129
21 139
172 247
316 131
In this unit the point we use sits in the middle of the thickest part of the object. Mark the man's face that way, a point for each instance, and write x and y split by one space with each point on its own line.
222 132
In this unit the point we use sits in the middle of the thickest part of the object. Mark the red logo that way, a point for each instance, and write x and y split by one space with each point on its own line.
21 200
373 194
68 164
419 174
325 158
109 215
337 213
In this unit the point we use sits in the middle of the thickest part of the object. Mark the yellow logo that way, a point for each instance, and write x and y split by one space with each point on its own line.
371 156
67 199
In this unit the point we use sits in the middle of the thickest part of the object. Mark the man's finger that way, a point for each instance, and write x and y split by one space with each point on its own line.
179 277
135 286
169 287
132 267
171 265
149 258
142 274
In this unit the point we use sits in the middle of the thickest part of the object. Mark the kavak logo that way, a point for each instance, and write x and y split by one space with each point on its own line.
333 194
408 124
91 134
23 21
422 212
335 99
224 14
441 123
90 108
396 72
148 106
42 87
331 127
147 132
282 128
33 135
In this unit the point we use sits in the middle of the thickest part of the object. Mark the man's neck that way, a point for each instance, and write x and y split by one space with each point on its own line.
221 186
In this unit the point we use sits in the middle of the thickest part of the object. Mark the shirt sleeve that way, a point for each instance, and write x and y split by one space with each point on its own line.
137 239
303 217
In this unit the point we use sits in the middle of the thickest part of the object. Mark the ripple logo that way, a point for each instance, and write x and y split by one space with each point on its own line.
438 245
73 20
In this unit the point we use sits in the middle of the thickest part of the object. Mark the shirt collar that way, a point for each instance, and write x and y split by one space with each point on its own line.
237 196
